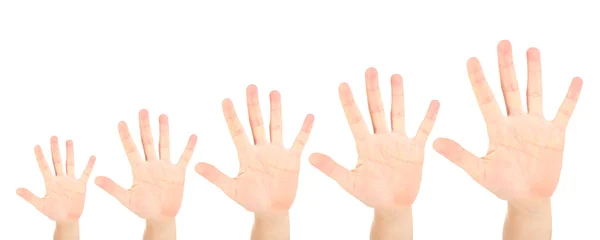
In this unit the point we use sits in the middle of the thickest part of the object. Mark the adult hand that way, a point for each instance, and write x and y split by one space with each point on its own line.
524 157
157 189
388 171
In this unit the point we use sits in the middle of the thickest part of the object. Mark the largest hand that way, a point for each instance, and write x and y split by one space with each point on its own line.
388 171
268 176
525 151
157 189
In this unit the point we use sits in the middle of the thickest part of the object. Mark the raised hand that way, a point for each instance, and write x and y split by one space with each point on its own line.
388 171
525 151
65 194
268 177
157 189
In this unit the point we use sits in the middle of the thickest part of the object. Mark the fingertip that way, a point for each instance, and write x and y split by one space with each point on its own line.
447 147
163 118
54 139
251 89
344 87
316 159
205 170
575 89
21 191
101 181
313 158
275 95
92 160
472 62
69 143
122 125
26 194
396 79
578 82
435 104
199 168
310 118
439 144
112 188
371 72
226 103
313 161
533 52
143 113
193 138
504 45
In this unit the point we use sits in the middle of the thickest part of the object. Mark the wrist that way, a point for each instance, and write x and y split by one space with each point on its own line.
67 230
271 225
163 223
393 213
272 216
394 223
160 229
67 224
530 207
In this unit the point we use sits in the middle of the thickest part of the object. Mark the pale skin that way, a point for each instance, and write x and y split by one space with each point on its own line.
65 193
268 177
387 176
524 158
157 190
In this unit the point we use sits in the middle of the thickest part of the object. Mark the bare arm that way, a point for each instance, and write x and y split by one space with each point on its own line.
532 221
388 174
67 231
271 226
392 224
521 142
160 230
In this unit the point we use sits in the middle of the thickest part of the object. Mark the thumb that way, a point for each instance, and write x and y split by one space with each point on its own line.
212 174
333 170
114 189
34 200
461 157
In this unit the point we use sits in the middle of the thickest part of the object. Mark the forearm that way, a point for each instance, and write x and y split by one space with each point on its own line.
529 221
394 224
271 226
66 231
165 230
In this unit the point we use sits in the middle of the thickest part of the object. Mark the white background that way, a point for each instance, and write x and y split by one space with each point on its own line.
75 68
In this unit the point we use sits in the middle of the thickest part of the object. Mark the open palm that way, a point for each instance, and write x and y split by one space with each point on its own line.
157 189
268 176
388 171
65 194
524 158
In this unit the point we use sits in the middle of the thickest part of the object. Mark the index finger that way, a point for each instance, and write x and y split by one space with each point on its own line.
355 119
235 126
487 103
130 149
42 163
